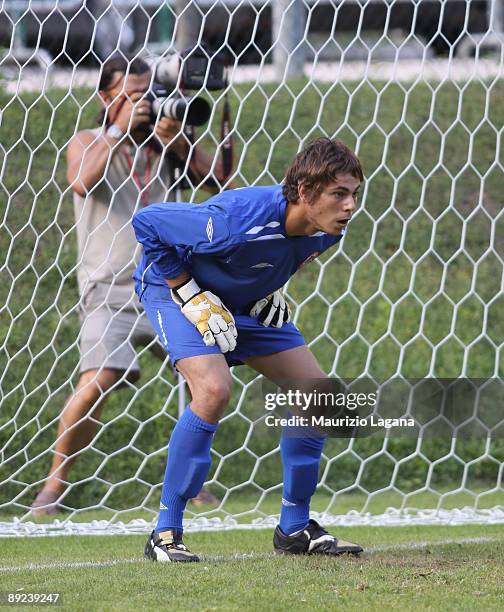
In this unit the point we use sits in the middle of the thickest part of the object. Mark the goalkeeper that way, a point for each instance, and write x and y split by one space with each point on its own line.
210 281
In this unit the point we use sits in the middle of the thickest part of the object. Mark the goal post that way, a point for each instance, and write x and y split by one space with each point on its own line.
413 294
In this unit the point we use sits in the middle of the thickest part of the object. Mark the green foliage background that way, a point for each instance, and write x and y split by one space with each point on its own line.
414 290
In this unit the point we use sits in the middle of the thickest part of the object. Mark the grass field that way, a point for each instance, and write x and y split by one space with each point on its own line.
414 568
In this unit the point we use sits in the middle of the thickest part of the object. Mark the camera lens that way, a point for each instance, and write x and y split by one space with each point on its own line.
198 110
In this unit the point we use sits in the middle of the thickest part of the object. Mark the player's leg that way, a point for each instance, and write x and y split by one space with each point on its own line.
301 450
76 429
189 459
144 336
148 339
209 380
300 453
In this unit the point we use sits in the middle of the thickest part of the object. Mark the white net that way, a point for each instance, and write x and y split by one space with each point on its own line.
414 290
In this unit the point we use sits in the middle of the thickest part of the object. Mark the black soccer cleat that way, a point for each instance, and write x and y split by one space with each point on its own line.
168 546
314 540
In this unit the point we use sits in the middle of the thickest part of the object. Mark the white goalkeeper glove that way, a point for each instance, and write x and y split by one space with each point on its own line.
205 310
272 310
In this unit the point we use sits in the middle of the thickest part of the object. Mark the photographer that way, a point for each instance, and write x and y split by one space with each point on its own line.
125 164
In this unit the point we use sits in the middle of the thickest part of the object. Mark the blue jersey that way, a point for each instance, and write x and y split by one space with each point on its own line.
234 245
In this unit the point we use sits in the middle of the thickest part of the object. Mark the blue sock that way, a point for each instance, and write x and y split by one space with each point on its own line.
301 458
186 469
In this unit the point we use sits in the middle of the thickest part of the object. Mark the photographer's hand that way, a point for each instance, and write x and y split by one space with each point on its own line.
133 113
169 132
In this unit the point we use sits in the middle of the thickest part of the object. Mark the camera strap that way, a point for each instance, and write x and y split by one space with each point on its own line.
226 140
226 133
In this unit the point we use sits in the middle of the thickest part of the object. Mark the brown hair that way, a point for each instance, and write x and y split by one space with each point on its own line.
318 164
119 63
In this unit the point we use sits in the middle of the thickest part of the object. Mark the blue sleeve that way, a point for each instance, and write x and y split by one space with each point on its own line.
162 227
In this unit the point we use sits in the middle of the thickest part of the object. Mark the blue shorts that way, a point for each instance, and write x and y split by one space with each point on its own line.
181 338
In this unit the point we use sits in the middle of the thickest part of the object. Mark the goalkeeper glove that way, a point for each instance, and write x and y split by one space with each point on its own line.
205 310
272 310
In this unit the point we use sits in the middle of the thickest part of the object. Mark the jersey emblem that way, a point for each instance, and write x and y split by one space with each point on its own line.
209 229
309 259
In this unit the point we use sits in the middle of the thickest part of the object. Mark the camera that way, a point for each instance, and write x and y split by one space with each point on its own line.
195 111
192 69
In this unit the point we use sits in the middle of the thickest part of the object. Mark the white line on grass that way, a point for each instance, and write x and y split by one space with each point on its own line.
239 556
73 565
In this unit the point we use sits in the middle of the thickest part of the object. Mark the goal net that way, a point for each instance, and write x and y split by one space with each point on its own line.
412 294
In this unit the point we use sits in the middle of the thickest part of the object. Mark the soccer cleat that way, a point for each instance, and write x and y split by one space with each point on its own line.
314 540
168 546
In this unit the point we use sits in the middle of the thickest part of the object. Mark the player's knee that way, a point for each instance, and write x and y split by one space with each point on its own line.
215 394
220 392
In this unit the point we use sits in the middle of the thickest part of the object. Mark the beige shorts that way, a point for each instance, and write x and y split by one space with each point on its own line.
113 326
